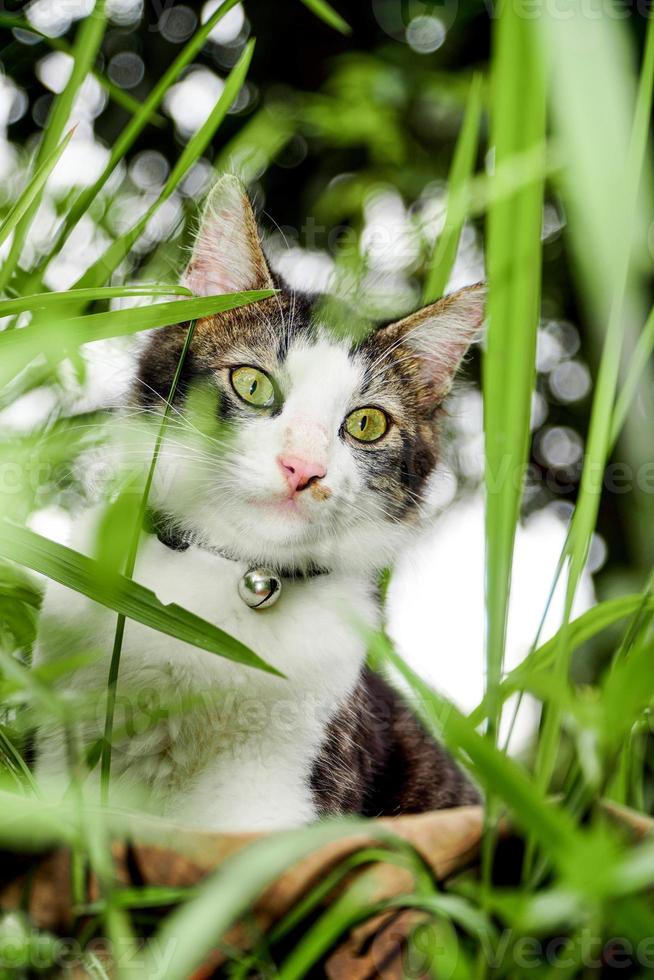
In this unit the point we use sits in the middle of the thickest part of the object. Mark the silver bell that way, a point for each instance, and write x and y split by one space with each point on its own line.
259 588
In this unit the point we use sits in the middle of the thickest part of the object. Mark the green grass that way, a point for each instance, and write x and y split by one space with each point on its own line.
463 163
87 44
562 111
326 12
514 273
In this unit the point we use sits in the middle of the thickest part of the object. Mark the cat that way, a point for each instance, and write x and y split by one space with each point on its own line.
310 456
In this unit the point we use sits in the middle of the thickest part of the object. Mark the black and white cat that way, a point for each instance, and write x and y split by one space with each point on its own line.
308 456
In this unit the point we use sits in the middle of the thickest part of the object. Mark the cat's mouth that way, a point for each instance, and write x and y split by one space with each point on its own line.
297 507
280 504
287 505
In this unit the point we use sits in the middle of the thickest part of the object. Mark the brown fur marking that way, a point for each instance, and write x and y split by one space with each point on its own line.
377 759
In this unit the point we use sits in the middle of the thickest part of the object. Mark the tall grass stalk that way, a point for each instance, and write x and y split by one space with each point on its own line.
130 564
87 44
142 117
463 162
514 274
514 230
103 267
624 219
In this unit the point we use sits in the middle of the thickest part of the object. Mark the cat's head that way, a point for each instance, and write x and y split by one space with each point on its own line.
287 444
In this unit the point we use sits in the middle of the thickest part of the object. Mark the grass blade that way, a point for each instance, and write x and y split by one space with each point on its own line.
637 365
326 13
43 301
599 436
31 193
85 575
18 347
580 631
130 564
514 226
113 256
612 255
200 141
445 249
192 931
499 774
87 44
359 901
144 114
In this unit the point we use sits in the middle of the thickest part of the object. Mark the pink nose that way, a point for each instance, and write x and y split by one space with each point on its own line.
299 473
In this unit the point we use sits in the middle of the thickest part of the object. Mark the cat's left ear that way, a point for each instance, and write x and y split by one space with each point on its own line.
439 336
227 254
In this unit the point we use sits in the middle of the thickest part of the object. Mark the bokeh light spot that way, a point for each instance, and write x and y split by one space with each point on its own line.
149 169
560 447
229 27
426 34
570 381
177 24
126 69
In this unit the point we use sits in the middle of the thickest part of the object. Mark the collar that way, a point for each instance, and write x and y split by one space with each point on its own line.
161 525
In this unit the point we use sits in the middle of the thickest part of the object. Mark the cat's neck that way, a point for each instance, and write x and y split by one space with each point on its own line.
359 555
163 527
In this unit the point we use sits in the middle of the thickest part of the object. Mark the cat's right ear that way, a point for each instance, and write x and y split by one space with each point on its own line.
435 339
227 254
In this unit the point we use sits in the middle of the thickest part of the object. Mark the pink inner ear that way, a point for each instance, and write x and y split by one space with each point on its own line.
227 256
441 334
210 272
221 260
441 364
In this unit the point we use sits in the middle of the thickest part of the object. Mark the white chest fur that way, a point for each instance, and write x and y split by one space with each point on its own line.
199 738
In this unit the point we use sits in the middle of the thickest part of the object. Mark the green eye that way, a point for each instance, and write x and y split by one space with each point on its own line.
366 424
253 386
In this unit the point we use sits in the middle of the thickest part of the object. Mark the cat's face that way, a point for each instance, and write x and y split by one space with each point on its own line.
286 444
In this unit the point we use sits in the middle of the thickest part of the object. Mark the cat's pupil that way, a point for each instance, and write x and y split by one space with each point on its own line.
363 423
253 386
